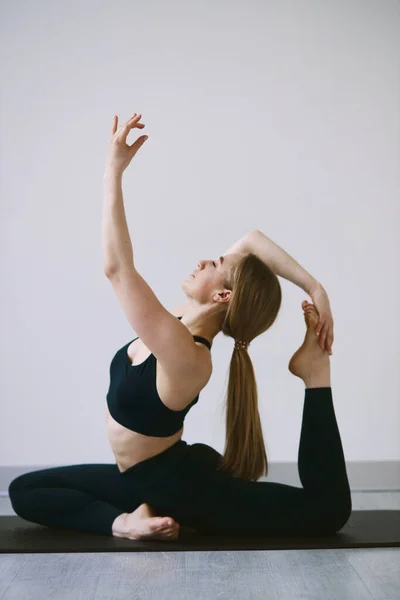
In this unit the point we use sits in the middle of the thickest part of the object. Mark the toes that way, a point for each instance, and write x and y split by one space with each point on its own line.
166 523
173 536
159 524
171 530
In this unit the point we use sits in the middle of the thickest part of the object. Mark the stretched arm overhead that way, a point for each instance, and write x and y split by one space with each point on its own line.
282 264
279 261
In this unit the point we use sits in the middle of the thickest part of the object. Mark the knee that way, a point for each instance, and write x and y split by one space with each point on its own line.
17 492
15 488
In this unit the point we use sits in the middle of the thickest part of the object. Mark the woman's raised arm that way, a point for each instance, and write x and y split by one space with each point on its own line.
279 261
284 265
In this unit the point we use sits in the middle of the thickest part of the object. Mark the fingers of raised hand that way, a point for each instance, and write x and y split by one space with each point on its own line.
120 135
321 337
326 338
320 324
330 336
134 122
329 341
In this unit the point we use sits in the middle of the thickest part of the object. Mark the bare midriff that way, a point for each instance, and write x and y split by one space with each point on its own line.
130 447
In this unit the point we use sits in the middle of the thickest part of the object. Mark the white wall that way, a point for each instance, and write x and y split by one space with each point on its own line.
281 116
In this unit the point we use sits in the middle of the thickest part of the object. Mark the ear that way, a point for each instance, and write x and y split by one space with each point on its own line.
224 296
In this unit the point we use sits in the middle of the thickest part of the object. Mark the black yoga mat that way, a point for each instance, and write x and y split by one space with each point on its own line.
364 529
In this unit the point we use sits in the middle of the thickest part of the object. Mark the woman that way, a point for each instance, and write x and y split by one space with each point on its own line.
156 472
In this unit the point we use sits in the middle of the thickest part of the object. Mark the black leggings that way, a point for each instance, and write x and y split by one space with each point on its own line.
183 482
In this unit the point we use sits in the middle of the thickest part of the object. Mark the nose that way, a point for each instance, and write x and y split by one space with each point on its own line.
199 265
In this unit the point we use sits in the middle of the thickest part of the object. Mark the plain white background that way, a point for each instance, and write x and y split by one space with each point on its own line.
276 115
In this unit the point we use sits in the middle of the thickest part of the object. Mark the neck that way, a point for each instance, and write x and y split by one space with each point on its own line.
199 320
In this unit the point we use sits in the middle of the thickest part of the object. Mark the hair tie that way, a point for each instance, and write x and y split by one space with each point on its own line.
239 344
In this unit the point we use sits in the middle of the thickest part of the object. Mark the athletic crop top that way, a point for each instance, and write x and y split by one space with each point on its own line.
133 400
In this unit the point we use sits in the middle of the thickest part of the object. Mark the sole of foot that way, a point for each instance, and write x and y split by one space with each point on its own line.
142 524
310 360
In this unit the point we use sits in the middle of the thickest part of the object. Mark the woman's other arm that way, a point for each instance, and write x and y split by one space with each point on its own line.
280 262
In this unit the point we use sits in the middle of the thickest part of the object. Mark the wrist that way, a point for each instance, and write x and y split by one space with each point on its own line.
313 287
112 173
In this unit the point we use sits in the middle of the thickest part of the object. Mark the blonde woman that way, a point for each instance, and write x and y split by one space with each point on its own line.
159 482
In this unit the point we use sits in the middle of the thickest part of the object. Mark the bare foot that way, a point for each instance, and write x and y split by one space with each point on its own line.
310 360
141 524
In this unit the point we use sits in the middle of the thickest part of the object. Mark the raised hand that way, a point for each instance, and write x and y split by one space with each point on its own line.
120 153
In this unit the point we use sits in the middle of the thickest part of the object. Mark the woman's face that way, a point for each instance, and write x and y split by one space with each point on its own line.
209 277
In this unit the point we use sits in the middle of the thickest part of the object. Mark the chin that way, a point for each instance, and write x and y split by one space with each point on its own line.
185 287
190 278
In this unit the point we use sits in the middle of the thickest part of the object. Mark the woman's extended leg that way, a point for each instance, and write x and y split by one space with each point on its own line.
212 501
221 504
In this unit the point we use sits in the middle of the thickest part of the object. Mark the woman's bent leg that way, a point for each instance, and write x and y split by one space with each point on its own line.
87 497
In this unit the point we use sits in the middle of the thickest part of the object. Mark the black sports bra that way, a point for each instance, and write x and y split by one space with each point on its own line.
133 400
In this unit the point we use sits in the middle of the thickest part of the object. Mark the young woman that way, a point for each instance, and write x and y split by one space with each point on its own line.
156 378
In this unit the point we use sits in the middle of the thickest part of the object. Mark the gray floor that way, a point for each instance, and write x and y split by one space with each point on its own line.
354 574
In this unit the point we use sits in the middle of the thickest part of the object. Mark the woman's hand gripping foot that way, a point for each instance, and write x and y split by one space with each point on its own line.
311 362
143 524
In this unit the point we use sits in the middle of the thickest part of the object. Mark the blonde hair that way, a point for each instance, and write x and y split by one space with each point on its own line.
253 307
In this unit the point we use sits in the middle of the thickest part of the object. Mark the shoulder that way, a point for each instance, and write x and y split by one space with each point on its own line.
178 391
203 362
201 369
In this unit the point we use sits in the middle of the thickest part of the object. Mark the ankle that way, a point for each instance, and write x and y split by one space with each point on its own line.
322 379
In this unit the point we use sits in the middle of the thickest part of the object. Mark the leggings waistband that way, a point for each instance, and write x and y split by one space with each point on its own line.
158 464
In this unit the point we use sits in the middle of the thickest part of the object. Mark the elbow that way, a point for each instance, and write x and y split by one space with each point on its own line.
253 232
111 270
108 271
250 238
